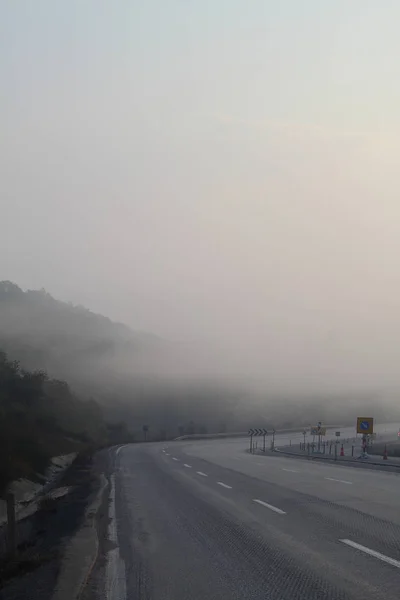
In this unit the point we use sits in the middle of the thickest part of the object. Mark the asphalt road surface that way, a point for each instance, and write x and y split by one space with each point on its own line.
207 520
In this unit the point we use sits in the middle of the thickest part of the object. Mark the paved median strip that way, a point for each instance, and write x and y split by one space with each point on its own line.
339 480
201 473
187 466
378 555
274 508
228 487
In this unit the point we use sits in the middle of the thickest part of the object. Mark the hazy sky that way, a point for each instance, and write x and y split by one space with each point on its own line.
211 168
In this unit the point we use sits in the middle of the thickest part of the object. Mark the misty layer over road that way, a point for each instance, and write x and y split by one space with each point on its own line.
222 178
223 175
208 520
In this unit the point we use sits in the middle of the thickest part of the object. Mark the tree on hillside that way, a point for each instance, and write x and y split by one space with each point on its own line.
41 418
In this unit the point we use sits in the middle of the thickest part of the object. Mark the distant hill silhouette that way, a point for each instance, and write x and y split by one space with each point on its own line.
128 372
67 341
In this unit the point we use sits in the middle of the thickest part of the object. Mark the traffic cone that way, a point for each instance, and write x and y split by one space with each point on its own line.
341 451
385 453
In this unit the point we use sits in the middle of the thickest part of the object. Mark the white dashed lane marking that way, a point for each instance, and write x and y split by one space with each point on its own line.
187 466
378 555
201 473
339 480
274 508
173 458
228 487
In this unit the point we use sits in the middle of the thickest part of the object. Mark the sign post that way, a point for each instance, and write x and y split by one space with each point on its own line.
365 426
273 440
257 432
265 433
319 431
251 433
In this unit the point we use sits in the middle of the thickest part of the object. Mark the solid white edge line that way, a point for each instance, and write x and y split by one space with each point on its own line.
173 458
386 559
201 473
277 510
187 466
339 480
290 470
228 487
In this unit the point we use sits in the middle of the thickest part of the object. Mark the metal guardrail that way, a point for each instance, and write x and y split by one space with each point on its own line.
210 436
205 436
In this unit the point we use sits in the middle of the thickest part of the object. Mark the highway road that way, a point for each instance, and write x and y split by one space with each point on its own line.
207 520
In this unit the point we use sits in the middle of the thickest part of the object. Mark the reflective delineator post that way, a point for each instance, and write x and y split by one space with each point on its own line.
385 453
342 451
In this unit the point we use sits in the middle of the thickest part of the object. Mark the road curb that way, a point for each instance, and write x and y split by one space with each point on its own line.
81 552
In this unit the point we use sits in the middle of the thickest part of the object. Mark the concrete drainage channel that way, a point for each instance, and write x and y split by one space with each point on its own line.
81 552
57 544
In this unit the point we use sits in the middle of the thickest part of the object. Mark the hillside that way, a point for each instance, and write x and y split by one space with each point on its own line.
128 373
67 341
40 418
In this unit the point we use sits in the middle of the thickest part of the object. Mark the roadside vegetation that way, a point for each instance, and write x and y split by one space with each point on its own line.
40 418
